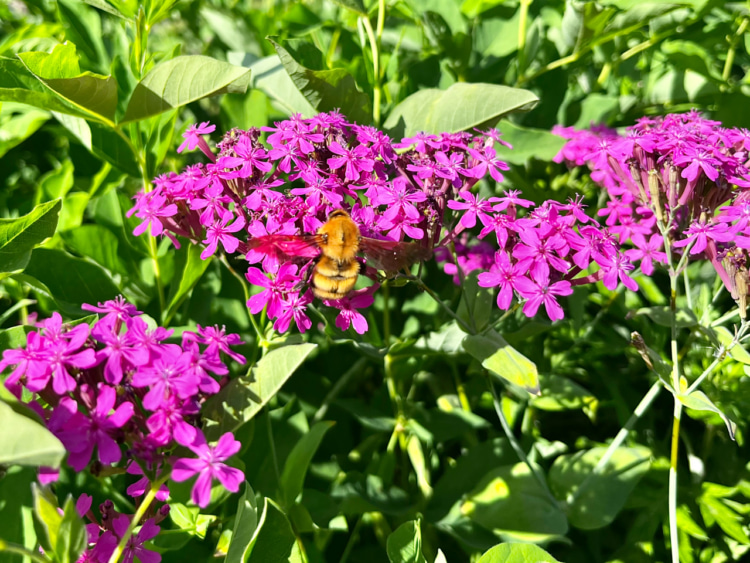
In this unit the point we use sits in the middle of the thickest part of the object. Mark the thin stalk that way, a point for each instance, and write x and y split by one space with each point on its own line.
22 304
338 387
272 444
376 94
147 500
672 495
351 541
261 340
439 301
729 62
639 411
516 446
522 24
22 551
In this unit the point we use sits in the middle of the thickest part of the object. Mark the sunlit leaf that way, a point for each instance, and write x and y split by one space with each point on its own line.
19 236
502 360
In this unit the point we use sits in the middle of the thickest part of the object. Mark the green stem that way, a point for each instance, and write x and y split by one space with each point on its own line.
147 500
246 290
642 407
732 49
516 446
22 551
342 382
351 541
272 445
522 24
672 498
376 93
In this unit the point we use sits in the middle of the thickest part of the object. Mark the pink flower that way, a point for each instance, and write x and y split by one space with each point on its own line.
348 315
209 466
219 232
542 292
134 548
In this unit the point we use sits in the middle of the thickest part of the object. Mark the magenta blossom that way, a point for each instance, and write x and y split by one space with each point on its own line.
208 466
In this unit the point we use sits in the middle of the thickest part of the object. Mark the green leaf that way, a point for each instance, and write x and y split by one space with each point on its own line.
510 499
14 337
324 89
685 318
102 142
516 553
276 540
560 393
182 80
527 144
190 268
245 531
24 440
18 122
106 7
69 281
94 95
83 27
460 107
19 236
404 545
45 510
353 5
243 397
72 538
270 76
190 520
97 243
699 401
298 461
606 492
17 84
502 360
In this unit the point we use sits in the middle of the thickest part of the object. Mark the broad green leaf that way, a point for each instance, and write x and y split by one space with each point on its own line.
246 529
502 360
460 107
353 5
298 462
663 316
182 80
447 340
699 401
527 144
92 94
516 553
16 515
18 122
26 441
83 27
606 492
190 268
243 397
102 142
560 393
97 243
14 337
275 540
69 281
509 499
105 6
404 545
231 30
58 182
324 89
270 76
72 539
19 236
17 84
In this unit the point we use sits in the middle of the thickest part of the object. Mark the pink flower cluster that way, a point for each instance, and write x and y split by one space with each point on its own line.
539 256
418 189
684 170
120 383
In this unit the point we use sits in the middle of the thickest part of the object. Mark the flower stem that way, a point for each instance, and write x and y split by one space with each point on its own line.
147 500
516 446
376 93
22 551
642 407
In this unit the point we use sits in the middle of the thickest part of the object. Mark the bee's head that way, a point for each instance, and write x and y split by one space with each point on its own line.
338 213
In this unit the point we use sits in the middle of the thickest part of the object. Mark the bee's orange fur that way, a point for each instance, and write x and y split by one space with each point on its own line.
336 272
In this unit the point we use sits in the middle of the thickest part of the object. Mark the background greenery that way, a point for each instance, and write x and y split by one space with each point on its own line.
369 435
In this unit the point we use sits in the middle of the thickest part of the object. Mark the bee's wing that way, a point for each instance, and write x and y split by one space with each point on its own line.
391 256
285 247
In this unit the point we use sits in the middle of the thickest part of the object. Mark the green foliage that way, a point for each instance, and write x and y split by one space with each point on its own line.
386 445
